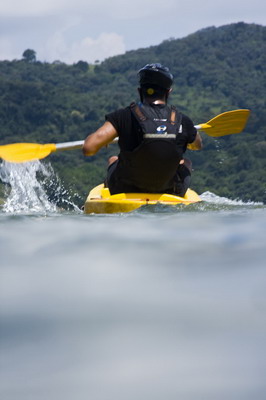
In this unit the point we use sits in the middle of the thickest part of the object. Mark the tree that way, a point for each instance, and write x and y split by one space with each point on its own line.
82 66
29 56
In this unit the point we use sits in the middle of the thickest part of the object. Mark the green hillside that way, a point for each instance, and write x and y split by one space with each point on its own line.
215 70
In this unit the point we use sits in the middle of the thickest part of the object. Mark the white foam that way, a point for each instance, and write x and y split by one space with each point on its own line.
26 193
27 186
210 197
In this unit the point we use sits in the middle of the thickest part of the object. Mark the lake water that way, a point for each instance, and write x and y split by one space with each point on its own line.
161 303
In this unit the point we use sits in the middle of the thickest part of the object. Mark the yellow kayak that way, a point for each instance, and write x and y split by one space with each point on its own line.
100 201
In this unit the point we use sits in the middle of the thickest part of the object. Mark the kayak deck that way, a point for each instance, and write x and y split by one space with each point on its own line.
100 201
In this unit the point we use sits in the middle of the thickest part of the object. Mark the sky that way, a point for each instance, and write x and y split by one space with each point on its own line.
93 30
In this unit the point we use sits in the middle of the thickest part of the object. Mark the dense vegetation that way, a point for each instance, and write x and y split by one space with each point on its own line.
215 69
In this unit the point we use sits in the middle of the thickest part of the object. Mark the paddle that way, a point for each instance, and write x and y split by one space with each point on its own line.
223 124
22 152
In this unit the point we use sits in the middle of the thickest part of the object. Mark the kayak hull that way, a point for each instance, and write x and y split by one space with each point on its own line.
100 201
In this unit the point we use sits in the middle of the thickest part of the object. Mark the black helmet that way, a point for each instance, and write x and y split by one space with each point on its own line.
155 74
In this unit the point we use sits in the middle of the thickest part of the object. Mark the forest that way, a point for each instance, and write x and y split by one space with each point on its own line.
215 70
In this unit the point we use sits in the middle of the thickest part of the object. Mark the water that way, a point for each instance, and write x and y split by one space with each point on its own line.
162 303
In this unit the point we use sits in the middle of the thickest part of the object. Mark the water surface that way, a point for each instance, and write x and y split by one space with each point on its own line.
160 303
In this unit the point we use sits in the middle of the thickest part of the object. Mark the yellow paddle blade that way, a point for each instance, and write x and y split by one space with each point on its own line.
22 152
226 124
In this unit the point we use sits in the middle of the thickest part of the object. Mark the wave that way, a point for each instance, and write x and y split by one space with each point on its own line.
33 187
212 198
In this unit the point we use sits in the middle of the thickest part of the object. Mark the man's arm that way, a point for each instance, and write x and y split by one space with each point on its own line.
100 138
197 144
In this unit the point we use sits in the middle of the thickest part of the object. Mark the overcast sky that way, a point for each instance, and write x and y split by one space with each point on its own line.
89 30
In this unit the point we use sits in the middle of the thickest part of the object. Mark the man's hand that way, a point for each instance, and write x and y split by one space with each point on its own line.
197 144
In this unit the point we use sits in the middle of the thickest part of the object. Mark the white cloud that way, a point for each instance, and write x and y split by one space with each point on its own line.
87 30
87 49
106 45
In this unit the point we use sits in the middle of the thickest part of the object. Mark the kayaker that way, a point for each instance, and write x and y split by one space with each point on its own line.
153 138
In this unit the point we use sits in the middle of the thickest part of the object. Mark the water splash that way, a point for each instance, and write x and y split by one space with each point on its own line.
33 187
210 197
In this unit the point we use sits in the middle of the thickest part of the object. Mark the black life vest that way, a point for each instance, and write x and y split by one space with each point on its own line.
158 122
152 165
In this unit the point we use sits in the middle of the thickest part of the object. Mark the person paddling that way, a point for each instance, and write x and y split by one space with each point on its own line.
152 136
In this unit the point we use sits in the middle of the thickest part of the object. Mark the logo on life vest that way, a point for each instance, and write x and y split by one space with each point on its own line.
161 129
